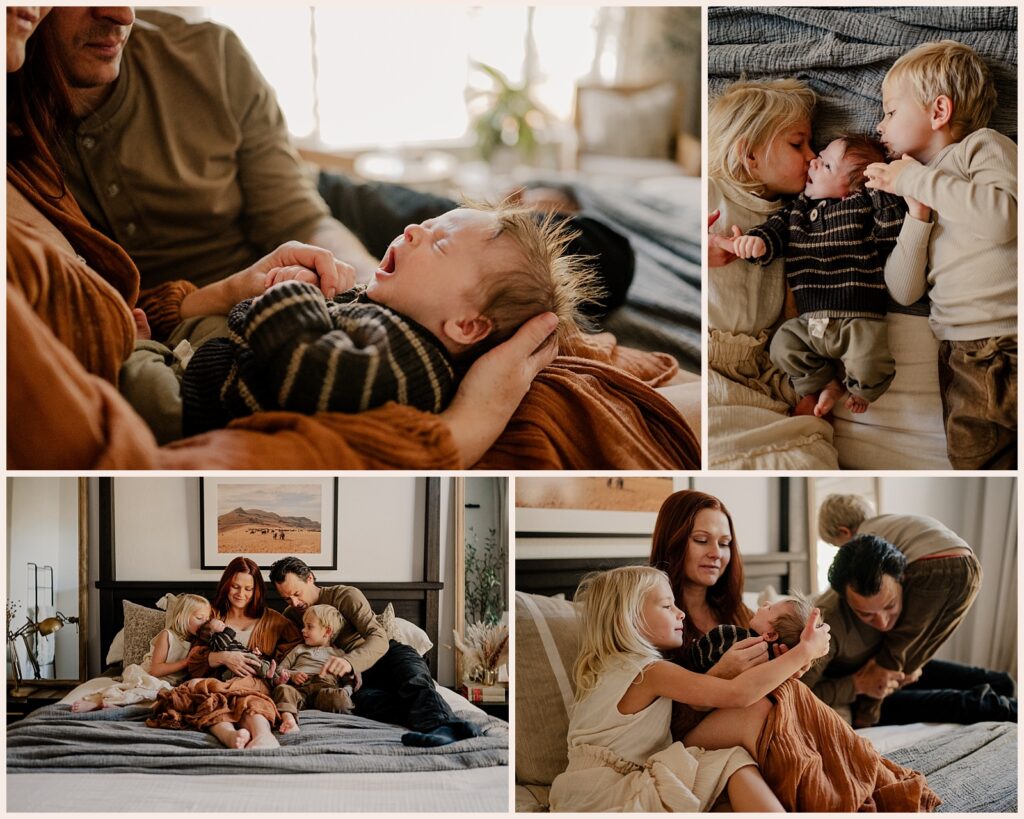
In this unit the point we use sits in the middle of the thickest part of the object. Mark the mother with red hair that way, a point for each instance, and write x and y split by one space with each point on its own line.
238 711
810 758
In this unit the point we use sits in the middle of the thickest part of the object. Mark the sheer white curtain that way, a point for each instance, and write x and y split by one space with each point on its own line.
988 635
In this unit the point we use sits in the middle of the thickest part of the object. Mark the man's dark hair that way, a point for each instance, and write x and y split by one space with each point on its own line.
862 562
289 565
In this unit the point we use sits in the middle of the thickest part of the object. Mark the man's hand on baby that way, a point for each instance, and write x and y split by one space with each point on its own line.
882 176
295 272
333 276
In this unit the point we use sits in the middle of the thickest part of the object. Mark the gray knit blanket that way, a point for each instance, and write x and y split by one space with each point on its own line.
116 740
843 54
973 768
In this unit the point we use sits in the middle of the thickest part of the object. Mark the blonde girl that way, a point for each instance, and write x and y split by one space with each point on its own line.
759 150
164 665
621 754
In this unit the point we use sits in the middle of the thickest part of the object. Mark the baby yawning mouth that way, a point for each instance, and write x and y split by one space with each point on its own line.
387 264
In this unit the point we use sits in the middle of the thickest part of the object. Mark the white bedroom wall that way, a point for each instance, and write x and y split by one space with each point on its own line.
380 536
43 529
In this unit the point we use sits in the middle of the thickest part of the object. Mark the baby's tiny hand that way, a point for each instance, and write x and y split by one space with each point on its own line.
299 677
749 247
292 272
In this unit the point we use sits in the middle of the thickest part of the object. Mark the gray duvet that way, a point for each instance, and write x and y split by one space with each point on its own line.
117 740
843 54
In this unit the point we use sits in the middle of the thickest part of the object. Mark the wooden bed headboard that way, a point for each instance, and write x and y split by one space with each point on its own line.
415 601
563 575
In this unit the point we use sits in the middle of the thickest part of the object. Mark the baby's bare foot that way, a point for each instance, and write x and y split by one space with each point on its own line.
805 406
265 740
142 329
827 398
241 738
84 705
855 403
288 723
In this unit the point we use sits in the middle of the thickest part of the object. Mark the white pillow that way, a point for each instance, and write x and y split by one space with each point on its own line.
115 653
412 635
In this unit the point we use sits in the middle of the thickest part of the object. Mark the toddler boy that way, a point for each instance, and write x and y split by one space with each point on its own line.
299 679
835 238
780 623
446 291
936 100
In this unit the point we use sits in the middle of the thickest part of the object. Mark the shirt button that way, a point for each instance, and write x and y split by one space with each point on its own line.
89 142
113 189
130 228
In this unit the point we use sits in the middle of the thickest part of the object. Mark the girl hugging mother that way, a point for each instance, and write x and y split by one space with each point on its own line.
239 711
746 728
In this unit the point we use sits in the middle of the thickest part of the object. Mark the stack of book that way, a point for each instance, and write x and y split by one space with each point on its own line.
478 692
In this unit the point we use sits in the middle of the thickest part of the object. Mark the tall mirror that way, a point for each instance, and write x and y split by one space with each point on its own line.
47 581
481 553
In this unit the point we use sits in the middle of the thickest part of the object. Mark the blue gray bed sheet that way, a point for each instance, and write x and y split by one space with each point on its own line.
116 740
843 54
662 309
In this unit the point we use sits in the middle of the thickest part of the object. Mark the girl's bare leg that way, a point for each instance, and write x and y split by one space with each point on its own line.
749 793
259 728
731 727
229 736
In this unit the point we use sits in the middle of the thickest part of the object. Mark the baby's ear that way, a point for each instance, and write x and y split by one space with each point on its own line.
771 636
468 331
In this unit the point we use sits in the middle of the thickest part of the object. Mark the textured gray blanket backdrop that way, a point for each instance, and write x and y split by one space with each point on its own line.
843 54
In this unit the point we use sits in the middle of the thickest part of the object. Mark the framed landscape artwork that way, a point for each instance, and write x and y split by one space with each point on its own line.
267 519
596 507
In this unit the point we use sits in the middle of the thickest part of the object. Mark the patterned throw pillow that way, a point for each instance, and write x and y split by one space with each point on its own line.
141 625
403 631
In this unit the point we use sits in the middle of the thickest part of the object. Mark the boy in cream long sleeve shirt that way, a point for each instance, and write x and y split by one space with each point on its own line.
937 99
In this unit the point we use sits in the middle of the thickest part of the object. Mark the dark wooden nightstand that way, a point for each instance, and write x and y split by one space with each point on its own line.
31 697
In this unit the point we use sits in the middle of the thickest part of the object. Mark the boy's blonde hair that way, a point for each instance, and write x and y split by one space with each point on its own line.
543 279
327 616
948 68
747 116
842 510
609 608
180 610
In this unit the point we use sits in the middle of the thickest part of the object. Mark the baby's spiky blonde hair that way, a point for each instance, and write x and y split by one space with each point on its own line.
544 277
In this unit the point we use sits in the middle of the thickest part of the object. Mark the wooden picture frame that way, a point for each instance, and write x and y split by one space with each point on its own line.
299 514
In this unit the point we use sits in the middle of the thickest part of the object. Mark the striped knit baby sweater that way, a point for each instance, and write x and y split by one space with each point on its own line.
291 349
709 649
835 251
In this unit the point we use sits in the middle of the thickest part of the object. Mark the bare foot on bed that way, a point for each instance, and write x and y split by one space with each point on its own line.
141 324
827 398
263 741
81 706
241 739
288 723
855 404
805 406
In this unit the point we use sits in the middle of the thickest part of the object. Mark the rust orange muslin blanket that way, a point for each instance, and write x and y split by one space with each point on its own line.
814 761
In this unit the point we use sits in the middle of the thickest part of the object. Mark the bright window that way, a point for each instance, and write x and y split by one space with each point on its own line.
371 77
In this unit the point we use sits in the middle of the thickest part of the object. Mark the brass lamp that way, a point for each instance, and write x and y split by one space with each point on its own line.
44 628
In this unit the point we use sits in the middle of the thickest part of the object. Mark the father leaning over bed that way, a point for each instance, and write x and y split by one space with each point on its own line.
901 584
